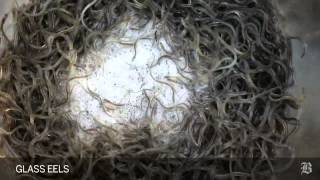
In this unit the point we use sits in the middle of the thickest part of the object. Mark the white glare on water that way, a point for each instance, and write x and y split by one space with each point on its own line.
121 83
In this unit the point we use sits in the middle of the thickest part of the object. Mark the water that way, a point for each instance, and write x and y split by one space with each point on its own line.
128 75
301 18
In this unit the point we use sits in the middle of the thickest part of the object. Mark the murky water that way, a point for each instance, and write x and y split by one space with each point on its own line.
301 18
